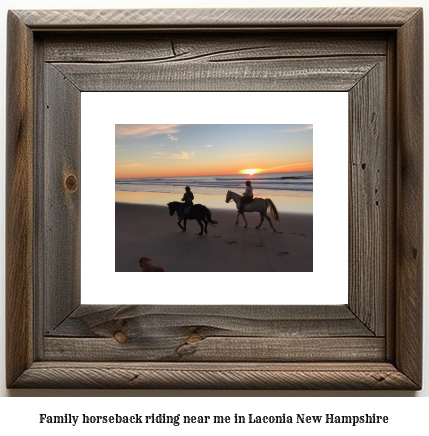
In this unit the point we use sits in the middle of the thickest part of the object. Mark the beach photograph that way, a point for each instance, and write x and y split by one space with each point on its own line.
213 197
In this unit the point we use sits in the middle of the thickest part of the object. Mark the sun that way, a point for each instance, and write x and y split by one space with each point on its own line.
250 171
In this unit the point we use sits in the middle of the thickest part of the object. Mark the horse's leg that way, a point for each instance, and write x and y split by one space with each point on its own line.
178 223
184 225
271 224
244 217
262 220
238 214
201 225
205 225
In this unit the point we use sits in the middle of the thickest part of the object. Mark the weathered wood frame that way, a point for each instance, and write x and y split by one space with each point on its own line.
373 342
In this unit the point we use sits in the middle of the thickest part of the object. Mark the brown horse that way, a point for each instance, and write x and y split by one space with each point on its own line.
196 212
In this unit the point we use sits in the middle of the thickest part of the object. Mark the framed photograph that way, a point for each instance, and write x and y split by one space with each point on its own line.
155 162
58 59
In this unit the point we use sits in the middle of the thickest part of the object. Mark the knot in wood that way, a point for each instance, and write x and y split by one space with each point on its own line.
120 337
193 337
71 183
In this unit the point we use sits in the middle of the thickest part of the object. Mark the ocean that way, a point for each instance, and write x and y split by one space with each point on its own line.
299 184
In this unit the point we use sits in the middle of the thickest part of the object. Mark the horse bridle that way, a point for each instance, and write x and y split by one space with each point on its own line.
228 197
169 210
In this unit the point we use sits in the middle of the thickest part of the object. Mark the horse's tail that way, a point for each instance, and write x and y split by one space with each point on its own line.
209 216
272 209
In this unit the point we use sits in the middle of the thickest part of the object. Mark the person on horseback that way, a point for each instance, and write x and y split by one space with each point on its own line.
247 196
187 198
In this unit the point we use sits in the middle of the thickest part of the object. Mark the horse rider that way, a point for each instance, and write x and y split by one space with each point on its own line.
247 196
188 196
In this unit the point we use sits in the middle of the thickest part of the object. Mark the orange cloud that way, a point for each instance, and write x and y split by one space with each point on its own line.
181 155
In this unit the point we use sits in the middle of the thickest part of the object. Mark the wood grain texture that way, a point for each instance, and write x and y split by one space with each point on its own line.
330 74
410 199
187 347
61 186
193 348
19 200
229 62
391 190
368 201
213 333
99 321
106 375
207 18
179 46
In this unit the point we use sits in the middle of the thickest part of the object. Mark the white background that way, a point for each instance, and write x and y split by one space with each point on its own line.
328 112
408 414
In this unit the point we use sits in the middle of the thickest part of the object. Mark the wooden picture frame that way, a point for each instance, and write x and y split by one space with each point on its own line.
373 342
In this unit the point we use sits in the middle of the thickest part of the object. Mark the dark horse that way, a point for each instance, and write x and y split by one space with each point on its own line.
197 212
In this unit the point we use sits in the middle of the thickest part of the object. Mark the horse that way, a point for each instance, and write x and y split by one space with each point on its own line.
196 212
260 205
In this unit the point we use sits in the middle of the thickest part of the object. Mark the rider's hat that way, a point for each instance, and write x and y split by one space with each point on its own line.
188 188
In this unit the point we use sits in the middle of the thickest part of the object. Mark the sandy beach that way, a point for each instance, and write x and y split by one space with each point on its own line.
149 230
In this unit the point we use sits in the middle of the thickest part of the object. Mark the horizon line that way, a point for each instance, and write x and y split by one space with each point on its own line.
211 175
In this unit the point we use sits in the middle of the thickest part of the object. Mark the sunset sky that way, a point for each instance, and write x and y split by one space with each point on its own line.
171 150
